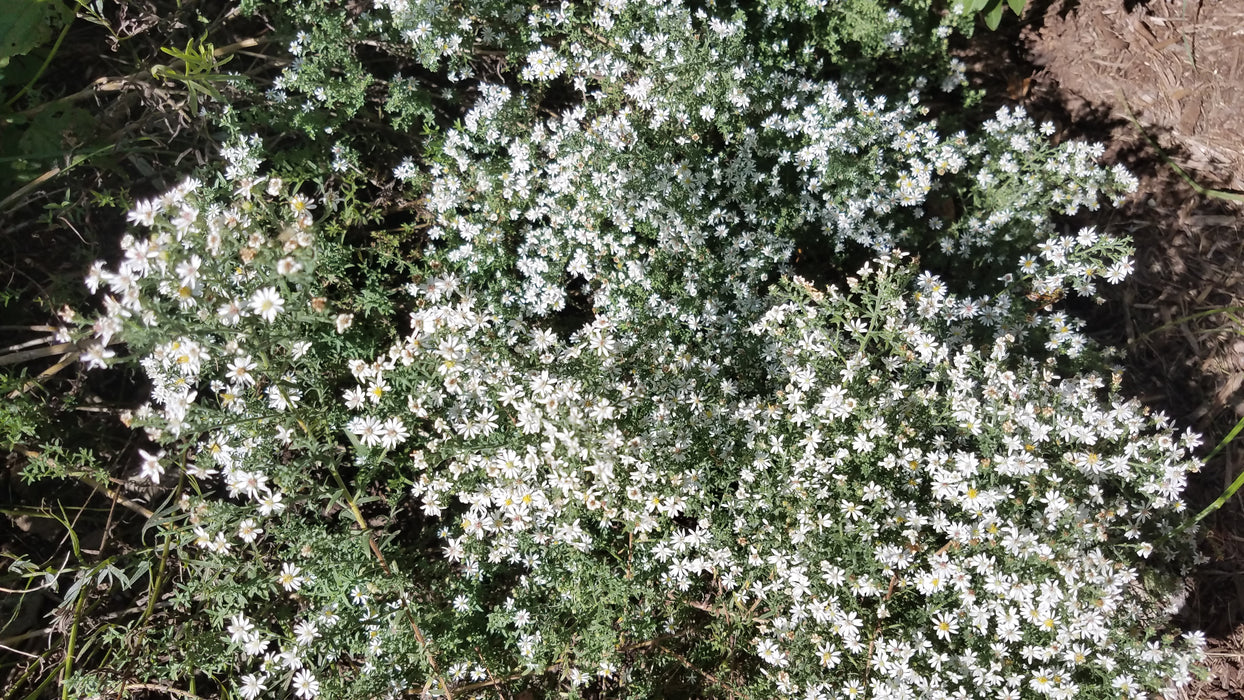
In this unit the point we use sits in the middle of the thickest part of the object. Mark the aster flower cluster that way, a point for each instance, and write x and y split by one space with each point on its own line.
895 515
613 438
213 304
623 192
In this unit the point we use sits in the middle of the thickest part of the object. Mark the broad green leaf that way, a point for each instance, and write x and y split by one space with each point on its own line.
45 137
993 15
27 24
1017 6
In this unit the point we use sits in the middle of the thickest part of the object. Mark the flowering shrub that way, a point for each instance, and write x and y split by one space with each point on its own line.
598 436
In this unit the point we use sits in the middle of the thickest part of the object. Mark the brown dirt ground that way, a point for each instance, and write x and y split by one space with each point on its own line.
1176 66
1161 82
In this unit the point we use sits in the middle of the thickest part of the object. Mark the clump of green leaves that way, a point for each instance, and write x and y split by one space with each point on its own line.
992 10
197 70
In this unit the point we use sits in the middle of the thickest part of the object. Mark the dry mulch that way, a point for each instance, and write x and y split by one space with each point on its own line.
1176 66
1161 83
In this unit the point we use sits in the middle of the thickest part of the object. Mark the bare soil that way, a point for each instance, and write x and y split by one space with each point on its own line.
1175 66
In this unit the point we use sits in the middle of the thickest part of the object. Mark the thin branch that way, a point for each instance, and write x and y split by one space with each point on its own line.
27 344
67 359
487 670
116 84
50 582
708 676
17 651
384 566
162 689
116 497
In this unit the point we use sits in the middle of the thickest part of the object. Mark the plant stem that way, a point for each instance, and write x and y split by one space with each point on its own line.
1198 187
39 73
158 582
1193 317
73 640
384 565
78 160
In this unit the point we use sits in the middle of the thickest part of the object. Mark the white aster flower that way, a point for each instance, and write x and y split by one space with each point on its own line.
152 470
251 686
305 685
291 578
267 303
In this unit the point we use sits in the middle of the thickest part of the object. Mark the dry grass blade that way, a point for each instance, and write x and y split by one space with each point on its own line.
28 355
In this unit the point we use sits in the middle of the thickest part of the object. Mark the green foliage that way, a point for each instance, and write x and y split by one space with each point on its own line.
409 104
29 24
991 10
198 69
19 416
25 33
